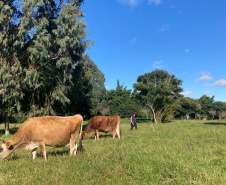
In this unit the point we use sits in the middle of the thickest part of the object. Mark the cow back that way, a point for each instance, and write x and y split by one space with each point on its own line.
103 123
53 130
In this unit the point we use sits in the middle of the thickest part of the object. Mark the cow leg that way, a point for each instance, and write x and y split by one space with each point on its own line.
118 132
34 151
73 145
43 150
76 147
97 134
113 134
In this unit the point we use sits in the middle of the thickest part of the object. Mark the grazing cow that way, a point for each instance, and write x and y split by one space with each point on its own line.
103 124
44 131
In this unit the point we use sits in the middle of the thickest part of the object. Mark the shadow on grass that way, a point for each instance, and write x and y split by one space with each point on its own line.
15 157
55 153
101 135
215 123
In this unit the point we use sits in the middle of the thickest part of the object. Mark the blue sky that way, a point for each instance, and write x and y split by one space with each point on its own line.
186 38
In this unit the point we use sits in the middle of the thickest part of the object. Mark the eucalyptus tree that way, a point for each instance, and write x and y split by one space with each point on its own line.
41 42
98 91
10 65
88 92
159 91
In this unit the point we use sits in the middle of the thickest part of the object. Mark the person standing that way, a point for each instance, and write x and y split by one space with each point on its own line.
133 122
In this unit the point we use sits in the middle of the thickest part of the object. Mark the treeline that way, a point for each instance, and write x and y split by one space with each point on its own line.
45 70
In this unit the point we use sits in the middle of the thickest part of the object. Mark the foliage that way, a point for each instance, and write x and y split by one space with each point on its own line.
10 65
98 93
186 107
120 101
88 91
206 105
160 91
220 108
41 44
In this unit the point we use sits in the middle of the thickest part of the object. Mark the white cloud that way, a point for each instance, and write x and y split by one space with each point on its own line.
155 2
186 93
205 77
165 27
134 3
131 3
220 83
159 64
207 92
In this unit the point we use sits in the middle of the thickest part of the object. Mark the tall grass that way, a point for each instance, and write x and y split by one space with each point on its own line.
180 152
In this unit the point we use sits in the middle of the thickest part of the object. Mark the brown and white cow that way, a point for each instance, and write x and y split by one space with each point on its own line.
103 124
44 131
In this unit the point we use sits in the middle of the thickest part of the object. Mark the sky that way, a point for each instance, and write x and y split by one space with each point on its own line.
186 38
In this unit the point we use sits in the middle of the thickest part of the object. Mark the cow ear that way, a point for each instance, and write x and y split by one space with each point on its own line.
8 145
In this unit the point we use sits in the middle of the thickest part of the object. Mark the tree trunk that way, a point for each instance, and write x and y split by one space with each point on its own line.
147 113
187 117
6 124
154 115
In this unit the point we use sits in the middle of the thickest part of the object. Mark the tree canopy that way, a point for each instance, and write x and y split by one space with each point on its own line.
159 91
121 102
41 43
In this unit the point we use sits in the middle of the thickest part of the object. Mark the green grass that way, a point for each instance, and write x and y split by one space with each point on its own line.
180 152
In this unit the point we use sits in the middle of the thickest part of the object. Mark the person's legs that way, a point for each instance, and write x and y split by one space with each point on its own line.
135 124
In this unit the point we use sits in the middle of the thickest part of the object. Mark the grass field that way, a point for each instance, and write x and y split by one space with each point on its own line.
180 152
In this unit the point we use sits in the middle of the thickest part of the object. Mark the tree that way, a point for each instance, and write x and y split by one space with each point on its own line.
98 91
206 105
220 108
120 101
222 114
10 66
88 90
160 91
41 42
187 106
212 113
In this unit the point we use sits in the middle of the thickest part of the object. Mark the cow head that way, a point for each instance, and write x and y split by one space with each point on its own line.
5 149
84 135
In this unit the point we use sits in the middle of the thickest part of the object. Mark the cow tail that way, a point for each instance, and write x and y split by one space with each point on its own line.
80 146
120 130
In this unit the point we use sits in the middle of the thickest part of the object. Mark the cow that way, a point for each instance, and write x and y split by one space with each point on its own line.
44 131
102 124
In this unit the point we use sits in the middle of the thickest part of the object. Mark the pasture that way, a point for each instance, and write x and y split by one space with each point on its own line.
180 152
